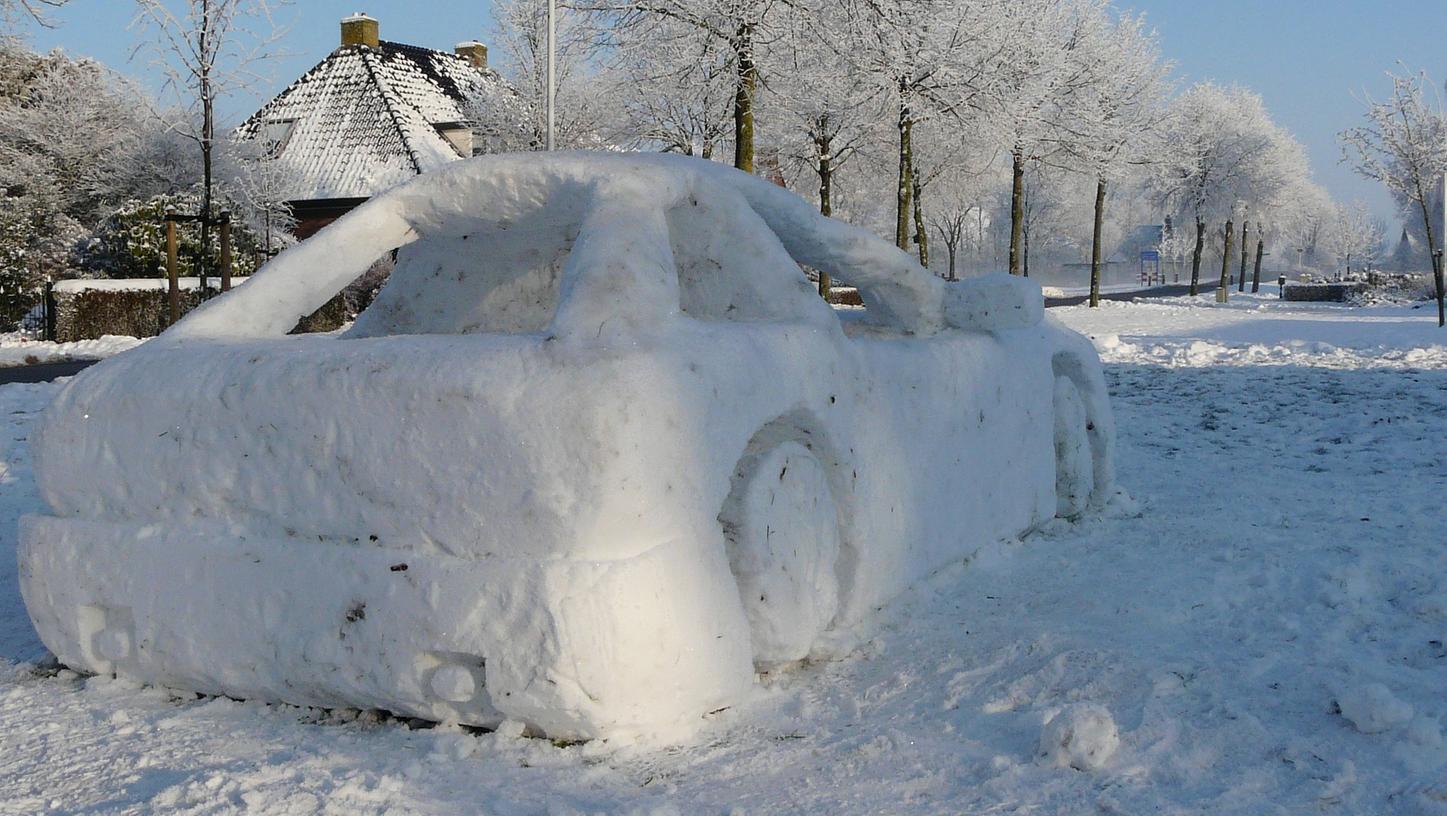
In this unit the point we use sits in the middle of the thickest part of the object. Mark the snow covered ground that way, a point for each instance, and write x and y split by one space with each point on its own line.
1269 635
16 349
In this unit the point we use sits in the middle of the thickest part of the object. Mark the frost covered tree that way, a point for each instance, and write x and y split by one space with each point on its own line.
676 96
737 29
1112 119
826 110
1353 236
1050 60
206 49
932 59
1219 150
583 104
1403 145
75 133
13 11
75 141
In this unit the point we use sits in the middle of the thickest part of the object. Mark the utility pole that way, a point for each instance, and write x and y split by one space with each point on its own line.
552 70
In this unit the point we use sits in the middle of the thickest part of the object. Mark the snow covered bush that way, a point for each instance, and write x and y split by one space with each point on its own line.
131 243
35 244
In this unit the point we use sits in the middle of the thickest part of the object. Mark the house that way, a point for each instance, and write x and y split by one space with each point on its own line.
374 114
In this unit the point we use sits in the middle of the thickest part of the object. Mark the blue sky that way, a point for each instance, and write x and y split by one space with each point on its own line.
1312 60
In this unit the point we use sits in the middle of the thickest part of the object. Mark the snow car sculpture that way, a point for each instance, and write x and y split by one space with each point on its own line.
596 454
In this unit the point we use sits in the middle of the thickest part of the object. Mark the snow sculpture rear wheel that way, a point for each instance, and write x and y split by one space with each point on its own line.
782 532
1074 460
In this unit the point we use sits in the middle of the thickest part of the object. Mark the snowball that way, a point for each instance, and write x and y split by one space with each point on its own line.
1081 736
1373 709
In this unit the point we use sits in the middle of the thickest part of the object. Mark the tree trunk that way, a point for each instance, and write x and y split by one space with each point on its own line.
1095 242
1223 290
1432 256
826 192
1017 209
906 183
1245 250
1256 276
921 234
744 99
1025 252
1196 256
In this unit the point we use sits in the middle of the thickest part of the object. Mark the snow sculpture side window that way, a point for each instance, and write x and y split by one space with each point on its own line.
731 269
493 280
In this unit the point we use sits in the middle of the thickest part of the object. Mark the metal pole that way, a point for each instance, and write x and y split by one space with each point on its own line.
552 70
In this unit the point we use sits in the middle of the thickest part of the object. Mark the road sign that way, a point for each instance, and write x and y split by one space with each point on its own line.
1150 255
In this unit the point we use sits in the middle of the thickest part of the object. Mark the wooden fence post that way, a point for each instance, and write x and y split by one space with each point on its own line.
225 251
173 296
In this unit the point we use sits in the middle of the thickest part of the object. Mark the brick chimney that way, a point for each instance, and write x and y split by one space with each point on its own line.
359 29
472 51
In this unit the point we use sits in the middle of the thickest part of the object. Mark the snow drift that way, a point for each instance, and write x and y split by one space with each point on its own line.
595 455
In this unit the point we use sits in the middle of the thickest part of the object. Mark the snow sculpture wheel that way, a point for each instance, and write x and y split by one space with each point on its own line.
782 530
1075 474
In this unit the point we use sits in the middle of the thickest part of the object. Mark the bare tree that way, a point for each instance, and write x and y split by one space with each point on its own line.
1403 145
206 49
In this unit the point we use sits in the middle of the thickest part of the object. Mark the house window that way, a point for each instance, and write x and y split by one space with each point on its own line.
275 133
458 135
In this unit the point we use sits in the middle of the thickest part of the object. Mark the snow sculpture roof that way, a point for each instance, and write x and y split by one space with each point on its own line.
365 119
635 230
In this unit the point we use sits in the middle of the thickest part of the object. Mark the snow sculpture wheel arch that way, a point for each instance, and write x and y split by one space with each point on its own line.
785 527
1084 434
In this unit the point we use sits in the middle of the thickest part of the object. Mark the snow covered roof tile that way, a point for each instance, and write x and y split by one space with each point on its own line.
365 119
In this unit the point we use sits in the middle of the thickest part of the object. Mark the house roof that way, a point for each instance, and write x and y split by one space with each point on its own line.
368 118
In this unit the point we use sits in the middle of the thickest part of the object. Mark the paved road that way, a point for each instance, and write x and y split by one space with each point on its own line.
44 372
1170 290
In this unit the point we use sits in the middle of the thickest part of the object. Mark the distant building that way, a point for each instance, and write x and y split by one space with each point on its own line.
374 114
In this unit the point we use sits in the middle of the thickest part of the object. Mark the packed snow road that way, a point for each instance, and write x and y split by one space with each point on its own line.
1268 634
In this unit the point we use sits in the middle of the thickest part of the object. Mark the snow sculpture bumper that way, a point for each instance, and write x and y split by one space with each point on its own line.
434 637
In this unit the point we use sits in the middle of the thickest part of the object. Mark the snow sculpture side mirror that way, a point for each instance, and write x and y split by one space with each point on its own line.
993 302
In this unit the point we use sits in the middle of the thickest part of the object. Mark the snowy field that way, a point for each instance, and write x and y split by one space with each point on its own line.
1269 634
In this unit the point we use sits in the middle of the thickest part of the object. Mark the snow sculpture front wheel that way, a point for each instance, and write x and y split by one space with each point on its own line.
783 540
1074 461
